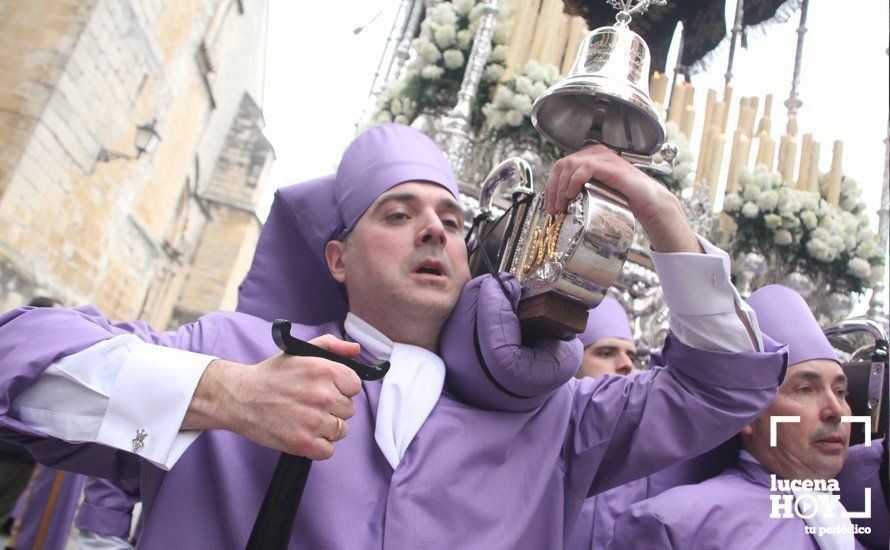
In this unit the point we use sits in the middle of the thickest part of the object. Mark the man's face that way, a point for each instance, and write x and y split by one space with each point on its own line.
406 257
816 447
608 356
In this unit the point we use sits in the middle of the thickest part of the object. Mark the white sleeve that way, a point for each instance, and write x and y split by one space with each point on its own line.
87 540
122 393
706 310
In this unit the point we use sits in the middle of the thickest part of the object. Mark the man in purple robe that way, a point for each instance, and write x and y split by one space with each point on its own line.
45 510
609 349
775 497
471 441
105 516
608 342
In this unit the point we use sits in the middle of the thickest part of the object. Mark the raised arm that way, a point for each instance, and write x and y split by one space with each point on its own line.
135 390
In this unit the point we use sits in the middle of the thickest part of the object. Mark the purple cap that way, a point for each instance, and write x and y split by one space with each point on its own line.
784 316
289 276
607 320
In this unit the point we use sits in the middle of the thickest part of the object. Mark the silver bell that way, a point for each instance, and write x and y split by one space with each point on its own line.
605 98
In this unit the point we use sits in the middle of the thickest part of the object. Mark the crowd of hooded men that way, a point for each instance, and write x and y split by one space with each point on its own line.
475 438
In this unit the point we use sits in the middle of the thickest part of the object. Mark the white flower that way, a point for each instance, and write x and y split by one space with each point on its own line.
868 248
476 13
514 118
809 219
751 192
502 32
772 221
790 205
538 88
552 73
463 7
427 52
783 237
524 85
431 72
820 251
445 36
732 202
382 117
454 59
763 179
681 170
464 39
395 106
859 268
750 210
499 54
534 71
503 97
746 177
768 200
402 119
493 72
497 120
443 14
877 273
790 221
808 200
522 103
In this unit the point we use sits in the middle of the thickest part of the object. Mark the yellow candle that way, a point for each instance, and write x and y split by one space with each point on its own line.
766 150
833 187
658 88
675 111
741 148
787 157
715 164
688 121
803 168
727 101
813 170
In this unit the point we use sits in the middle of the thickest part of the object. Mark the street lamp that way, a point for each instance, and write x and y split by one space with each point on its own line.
146 141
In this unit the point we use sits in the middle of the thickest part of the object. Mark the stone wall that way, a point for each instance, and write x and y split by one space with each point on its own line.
77 78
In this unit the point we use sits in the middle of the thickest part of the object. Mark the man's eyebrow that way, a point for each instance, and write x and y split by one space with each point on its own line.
446 203
813 375
451 204
395 197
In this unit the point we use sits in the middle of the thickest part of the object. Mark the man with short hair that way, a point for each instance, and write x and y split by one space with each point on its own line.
738 508
372 261
608 342
608 350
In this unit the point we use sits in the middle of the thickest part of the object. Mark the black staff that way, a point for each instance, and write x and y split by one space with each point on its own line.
275 520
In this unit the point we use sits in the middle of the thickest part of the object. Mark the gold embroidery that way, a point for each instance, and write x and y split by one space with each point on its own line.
544 241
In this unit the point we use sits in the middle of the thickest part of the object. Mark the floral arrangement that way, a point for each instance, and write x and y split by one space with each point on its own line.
802 232
683 175
435 73
508 114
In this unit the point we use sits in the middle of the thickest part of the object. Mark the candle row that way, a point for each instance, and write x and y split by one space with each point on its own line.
746 139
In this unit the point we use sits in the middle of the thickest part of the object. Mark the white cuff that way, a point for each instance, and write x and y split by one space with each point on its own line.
149 401
706 310
696 284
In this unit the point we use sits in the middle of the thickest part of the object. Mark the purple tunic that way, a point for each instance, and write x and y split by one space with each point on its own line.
597 520
470 479
107 507
863 469
730 511
45 510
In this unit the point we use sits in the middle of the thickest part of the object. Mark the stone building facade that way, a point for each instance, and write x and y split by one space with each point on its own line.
162 236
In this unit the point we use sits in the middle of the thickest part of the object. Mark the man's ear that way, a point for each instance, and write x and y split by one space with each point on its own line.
334 253
748 430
